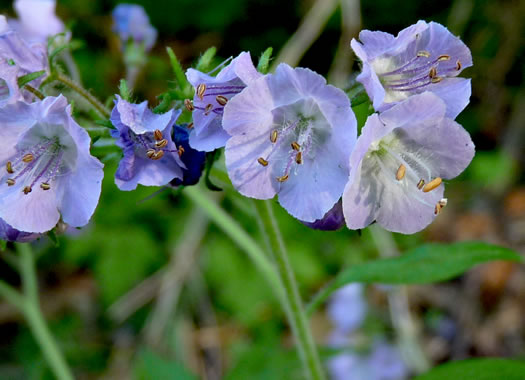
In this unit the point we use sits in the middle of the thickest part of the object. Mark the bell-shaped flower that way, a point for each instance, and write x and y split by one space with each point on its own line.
151 158
211 95
37 20
399 163
8 233
292 135
423 57
48 171
131 23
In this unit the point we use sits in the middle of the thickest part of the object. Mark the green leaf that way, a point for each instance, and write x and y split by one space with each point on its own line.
125 92
426 264
53 237
3 245
477 369
104 123
205 61
177 70
151 366
264 61
25 79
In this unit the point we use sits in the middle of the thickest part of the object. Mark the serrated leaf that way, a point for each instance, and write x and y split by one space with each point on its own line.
477 369
426 264
25 79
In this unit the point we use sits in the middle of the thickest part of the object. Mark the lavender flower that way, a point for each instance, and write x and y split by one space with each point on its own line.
37 20
211 95
194 160
8 233
398 164
348 308
423 57
9 91
331 221
292 135
150 156
48 171
132 23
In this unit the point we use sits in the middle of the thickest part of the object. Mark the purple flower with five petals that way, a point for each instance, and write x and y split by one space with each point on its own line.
398 164
48 171
211 95
150 155
292 135
132 23
423 57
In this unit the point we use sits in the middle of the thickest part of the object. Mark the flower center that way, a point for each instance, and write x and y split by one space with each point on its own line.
40 163
152 144
213 98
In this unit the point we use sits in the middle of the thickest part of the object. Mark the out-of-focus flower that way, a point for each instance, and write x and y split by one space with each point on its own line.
211 95
423 57
398 164
132 23
8 233
331 221
48 171
9 90
37 20
193 159
292 135
348 308
150 155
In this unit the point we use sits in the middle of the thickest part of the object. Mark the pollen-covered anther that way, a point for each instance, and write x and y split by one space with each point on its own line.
10 182
262 161
150 153
423 53
45 186
283 178
27 158
189 105
180 151
158 135
437 79
458 65
420 184
27 190
201 89
299 158
9 167
162 143
432 184
208 109
400 174
157 155
295 146
443 57
432 73
439 206
190 125
222 100
273 136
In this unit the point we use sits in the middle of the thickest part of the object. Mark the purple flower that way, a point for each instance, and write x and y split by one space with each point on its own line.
349 366
37 20
150 156
398 164
48 171
292 135
9 91
194 160
211 95
348 308
423 57
331 221
132 23
8 233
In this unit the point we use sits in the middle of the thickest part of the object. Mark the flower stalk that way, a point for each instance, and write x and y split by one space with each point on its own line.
101 109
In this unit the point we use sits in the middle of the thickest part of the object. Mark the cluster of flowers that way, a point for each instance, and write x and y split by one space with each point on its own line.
380 361
288 133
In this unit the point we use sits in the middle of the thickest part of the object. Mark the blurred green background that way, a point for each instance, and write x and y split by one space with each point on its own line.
104 289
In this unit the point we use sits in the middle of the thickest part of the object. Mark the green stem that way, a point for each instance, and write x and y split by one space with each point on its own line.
237 234
30 307
293 303
34 91
85 94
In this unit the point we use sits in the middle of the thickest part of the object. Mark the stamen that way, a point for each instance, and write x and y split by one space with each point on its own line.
439 206
180 151
443 202
190 125
432 73
443 57
201 89
9 167
437 79
273 136
458 65
401 172
157 155
262 161
189 105
432 184
10 182
295 146
27 190
283 178
158 135
423 53
27 158
45 186
299 158
421 183
222 100
150 153
162 143
208 108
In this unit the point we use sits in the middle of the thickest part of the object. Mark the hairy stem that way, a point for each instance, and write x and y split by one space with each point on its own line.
85 94
293 303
